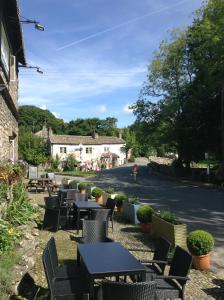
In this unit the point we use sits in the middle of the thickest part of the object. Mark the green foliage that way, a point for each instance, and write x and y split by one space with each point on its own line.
168 216
32 149
20 211
77 173
55 163
200 242
8 236
109 190
133 200
97 192
144 214
82 186
3 191
73 183
71 163
120 197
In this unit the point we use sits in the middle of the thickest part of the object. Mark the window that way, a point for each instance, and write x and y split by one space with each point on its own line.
5 51
89 150
63 150
106 149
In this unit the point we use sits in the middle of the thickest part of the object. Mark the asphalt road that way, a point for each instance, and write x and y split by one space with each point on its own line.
197 206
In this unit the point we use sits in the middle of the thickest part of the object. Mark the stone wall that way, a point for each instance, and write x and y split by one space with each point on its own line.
8 126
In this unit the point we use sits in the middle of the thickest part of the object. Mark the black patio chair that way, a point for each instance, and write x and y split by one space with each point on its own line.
62 272
64 289
173 285
159 261
55 216
101 214
110 204
94 231
128 291
81 197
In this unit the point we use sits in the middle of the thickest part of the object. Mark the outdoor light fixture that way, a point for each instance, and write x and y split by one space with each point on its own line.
38 69
37 24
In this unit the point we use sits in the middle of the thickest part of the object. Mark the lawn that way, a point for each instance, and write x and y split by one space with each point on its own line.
77 173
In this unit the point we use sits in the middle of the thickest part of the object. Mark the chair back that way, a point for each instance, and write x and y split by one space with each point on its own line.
128 291
52 202
48 268
71 194
81 197
94 231
51 176
101 214
180 264
53 254
32 172
111 203
161 252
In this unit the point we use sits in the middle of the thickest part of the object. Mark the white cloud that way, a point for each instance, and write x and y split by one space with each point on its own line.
57 115
44 106
127 109
101 108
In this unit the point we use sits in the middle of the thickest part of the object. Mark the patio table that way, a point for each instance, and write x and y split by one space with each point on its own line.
80 205
108 259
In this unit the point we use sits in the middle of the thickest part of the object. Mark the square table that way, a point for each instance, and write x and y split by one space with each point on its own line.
79 205
108 259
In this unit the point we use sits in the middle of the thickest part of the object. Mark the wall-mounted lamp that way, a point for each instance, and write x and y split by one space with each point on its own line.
38 69
23 20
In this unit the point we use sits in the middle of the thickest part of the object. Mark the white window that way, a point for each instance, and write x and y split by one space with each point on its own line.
89 150
63 150
5 51
106 149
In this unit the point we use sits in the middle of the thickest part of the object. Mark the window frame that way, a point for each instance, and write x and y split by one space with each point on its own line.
89 150
63 150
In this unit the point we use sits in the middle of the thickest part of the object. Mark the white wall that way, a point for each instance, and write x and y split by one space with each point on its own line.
97 151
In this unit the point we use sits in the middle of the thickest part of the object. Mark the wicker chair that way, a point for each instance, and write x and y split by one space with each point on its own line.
94 231
62 272
128 291
159 261
173 285
101 214
64 289
110 204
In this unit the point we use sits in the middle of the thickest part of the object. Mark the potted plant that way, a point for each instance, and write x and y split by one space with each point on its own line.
200 243
130 208
108 193
144 215
120 197
82 187
165 224
97 193
74 184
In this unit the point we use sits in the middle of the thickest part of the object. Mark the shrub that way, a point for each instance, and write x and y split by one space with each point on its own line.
168 217
109 190
55 163
71 163
8 236
131 159
82 186
73 183
144 214
200 242
120 197
133 200
97 192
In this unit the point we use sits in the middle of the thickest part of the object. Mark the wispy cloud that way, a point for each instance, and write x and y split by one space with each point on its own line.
101 108
127 109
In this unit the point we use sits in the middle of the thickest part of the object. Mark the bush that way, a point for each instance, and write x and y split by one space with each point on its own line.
131 159
109 190
97 192
8 236
73 183
82 186
144 214
120 197
200 242
168 217
133 200
55 163
71 163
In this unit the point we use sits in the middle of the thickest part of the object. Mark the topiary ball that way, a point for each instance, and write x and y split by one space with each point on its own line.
82 186
97 192
200 242
144 214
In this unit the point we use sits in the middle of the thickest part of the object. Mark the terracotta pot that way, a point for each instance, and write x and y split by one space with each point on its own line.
120 209
202 262
83 192
99 199
146 227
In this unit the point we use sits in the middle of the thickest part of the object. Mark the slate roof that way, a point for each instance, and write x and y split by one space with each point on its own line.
84 140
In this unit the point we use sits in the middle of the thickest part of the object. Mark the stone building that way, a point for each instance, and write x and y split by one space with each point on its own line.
11 54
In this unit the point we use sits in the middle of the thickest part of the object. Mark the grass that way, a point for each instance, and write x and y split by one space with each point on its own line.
7 261
77 173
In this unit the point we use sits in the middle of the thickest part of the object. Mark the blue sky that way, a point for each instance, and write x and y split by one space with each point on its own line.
94 54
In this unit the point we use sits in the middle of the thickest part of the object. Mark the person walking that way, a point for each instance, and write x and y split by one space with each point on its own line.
135 172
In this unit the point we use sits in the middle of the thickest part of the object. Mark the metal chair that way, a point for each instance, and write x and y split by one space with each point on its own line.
62 272
101 214
128 291
159 261
64 289
94 231
110 204
173 285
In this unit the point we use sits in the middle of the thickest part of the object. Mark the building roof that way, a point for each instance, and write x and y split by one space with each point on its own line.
84 140
12 7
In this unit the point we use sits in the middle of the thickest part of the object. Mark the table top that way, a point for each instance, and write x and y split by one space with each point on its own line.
86 204
65 190
108 258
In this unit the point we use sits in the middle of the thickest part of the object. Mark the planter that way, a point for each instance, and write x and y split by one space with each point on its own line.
120 209
83 191
99 200
202 262
146 227
175 234
105 197
129 212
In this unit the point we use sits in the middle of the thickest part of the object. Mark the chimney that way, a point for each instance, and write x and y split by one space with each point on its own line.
50 132
95 135
120 135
